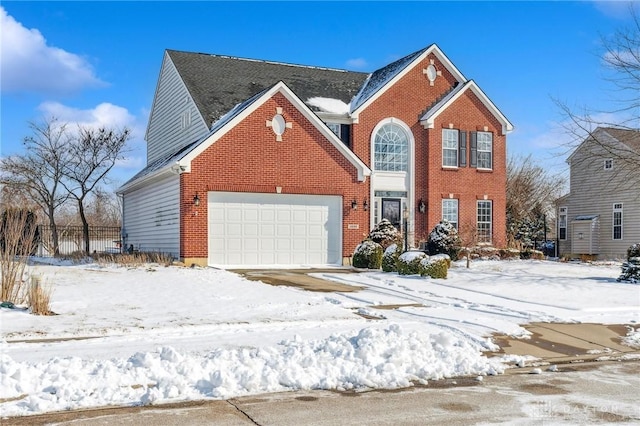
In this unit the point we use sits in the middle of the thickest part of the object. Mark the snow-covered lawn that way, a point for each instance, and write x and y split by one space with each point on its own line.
160 334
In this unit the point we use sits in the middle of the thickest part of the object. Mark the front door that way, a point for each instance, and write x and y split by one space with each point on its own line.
391 210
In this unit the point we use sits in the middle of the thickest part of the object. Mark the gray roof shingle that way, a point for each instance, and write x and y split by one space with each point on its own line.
219 83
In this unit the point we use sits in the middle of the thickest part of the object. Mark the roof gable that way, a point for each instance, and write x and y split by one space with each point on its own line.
218 83
428 118
379 81
629 138
241 111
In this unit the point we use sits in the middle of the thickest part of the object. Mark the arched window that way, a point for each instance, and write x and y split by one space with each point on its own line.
391 148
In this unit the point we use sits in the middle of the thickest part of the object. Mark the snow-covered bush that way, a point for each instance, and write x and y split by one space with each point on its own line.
368 255
444 238
385 234
435 266
390 258
409 262
631 268
633 251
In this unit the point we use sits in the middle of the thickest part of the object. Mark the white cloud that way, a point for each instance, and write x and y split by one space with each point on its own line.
29 64
615 9
357 63
105 114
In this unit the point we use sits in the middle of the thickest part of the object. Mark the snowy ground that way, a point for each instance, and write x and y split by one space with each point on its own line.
159 334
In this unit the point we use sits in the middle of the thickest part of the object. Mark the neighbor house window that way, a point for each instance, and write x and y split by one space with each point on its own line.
617 221
562 223
450 211
391 149
449 148
608 164
484 221
485 150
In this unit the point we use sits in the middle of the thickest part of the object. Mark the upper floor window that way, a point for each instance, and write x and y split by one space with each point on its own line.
391 148
485 150
335 128
617 221
562 223
450 147
608 164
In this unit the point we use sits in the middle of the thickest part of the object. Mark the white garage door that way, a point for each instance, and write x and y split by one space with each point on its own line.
249 229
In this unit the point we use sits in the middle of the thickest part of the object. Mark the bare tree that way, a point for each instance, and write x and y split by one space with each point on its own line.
531 192
92 155
38 173
621 56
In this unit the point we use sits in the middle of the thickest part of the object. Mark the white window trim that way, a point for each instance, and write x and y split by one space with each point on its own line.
613 222
408 134
457 147
490 222
607 164
478 150
457 204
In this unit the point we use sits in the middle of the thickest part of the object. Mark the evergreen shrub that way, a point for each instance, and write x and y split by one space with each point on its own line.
409 263
385 234
390 258
444 238
368 254
436 266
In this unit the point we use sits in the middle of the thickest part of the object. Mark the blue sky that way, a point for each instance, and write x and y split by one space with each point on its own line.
98 62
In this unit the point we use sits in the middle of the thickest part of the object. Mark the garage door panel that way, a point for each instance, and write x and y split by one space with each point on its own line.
274 229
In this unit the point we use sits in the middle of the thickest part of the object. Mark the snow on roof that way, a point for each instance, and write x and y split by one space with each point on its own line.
335 106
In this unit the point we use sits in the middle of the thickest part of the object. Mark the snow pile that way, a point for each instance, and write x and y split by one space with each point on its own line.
335 106
632 338
372 358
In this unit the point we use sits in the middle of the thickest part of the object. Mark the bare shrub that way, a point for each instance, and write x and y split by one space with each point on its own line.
133 259
39 297
17 241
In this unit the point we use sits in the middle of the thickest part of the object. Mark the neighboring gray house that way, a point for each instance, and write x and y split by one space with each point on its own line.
600 217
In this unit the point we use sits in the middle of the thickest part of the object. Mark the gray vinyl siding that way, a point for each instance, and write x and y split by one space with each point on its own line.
165 132
594 191
151 219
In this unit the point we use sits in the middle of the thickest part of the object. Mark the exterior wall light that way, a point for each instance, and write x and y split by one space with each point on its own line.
422 207
196 200
354 205
365 205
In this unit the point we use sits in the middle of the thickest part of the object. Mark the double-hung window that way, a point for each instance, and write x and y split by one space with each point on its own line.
485 150
450 147
562 223
617 221
484 221
450 211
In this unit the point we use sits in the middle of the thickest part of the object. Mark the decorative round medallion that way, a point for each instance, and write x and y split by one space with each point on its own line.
278 124
431 73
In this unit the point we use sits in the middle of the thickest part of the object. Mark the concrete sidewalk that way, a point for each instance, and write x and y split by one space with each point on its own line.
560 343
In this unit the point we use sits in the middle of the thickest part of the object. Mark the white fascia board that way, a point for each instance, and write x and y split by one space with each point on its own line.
169 169
282 88
332 117
432 49
471 85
